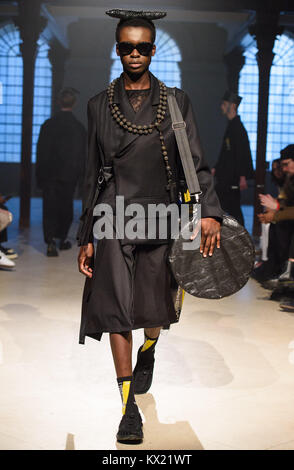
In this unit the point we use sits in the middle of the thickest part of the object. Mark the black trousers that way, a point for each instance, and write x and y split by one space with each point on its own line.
230 200
57 209
3 233
281 243
291 251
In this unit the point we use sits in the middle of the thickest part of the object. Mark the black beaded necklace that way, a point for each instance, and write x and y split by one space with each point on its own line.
146 129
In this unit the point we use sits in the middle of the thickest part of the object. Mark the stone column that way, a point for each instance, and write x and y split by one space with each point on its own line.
57 56
265 31
234 62
30 24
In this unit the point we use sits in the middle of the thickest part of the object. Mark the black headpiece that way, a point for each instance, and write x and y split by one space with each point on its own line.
232 97
287 152
130 14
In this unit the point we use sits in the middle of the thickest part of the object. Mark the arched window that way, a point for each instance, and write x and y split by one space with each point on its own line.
11 67
165 63
281 97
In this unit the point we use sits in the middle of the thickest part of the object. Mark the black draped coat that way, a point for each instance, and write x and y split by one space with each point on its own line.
139 176
61 149
137 160
235 156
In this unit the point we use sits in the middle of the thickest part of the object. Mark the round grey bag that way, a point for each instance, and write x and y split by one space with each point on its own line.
219 275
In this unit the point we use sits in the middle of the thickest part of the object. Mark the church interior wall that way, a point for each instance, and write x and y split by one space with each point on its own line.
203 75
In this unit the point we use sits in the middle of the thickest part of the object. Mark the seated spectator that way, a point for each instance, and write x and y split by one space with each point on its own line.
271 261
8 252
5 220
280 212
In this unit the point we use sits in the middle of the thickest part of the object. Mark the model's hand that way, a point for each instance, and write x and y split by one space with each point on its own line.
267 217
210 235
243 183
268 201
85 259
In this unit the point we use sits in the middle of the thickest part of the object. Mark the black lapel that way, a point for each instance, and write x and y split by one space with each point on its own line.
146 113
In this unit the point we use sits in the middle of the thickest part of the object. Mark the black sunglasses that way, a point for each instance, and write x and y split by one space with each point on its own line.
126 48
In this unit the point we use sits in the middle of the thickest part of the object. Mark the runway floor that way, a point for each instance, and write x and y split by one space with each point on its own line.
224 376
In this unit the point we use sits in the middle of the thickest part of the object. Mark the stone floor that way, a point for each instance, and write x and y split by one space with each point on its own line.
224 376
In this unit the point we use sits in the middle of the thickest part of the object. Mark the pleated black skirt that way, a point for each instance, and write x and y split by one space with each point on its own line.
132 287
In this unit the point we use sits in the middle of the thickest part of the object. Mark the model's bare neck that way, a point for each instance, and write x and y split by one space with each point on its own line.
142 83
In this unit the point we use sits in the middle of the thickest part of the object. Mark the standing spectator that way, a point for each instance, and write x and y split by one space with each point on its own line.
61 152
234 166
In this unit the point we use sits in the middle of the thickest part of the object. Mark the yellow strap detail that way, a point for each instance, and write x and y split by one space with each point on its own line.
125 393
183 295
187 196
148 343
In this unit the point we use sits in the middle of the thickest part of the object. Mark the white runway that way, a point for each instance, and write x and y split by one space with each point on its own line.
224 376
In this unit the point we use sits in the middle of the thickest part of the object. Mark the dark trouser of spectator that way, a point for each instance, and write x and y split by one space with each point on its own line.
279 249
282 245
3 236
279 244
57 209
291 251
3 233
284 234
230 200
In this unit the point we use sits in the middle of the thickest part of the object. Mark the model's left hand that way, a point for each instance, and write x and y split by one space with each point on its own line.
210 236
267 217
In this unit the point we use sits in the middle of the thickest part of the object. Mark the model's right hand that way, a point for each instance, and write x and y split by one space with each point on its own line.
85 259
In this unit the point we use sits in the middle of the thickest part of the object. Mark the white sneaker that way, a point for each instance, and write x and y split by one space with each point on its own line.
5 262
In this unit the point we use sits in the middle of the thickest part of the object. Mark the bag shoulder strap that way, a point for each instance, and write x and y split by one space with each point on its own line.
179 127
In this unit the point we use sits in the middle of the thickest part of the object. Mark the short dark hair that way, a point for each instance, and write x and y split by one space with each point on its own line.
66 98
136 22
287 152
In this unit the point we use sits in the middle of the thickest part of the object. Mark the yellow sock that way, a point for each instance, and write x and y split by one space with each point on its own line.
126 392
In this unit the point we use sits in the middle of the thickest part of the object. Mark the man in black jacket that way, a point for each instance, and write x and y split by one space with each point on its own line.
60 162
234 166
132 145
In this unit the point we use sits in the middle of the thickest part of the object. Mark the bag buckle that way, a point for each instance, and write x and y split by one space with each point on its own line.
178 125
196 197
100 176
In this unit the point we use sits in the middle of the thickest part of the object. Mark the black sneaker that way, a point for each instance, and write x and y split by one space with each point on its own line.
130 429
51 249
9 252
278 281
65 245
288 305
143 373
